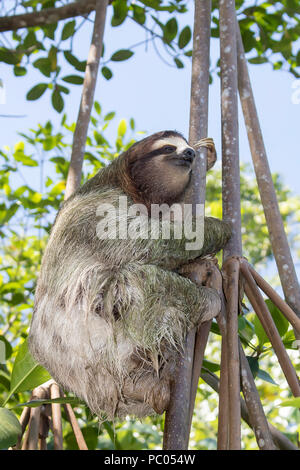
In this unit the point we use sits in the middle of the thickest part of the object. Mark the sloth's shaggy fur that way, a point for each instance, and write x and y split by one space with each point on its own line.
111 315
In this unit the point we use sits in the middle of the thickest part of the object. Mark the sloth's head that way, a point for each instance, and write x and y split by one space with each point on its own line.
158 168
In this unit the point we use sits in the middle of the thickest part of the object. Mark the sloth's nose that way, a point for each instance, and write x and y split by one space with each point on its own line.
189 154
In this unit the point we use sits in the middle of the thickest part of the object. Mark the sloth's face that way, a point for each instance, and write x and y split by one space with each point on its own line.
173 152
162 171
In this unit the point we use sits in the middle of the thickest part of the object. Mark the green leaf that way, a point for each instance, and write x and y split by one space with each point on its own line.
68 30
20 156
7 348
132 124
120 12
253 363
78 64
107 73
97 107
178 63
27 373
44 66
122 54
36 92
19 71
260 332
291 402
49 30
57 100
30 40
139 13
122 128
74 79
263 375
63 89
212 366
215 329
184 37
109 116
9 57
52 56
74 401
170 30
280 321
258 60
246 329
10 428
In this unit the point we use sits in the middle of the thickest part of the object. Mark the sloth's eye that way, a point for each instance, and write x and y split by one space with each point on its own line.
168 149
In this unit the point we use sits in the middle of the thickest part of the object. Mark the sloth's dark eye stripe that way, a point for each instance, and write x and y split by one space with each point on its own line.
159 151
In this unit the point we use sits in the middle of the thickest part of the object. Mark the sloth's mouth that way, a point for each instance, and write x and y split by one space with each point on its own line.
183 160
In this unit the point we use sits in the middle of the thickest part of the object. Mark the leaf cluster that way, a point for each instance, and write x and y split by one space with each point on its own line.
270 32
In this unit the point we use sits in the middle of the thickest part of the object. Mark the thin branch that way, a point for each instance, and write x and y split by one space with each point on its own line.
257 416
231 196
56 417
198 130
280 439
276 299
44 429
89 85
231 274
223 418
46 16
278 238
200 345
177 422
176 432
24 420
76 429
32 434
269 326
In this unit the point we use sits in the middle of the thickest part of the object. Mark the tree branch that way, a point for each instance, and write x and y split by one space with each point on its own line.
88 90
279 438
46 16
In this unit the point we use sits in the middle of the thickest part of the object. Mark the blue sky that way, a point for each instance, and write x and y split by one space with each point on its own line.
157 96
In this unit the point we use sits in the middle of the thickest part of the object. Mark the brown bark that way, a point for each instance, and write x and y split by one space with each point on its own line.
231 208
88 90
269 326
75 426
46 16
230 128
278 238
281 441
56 417
257 416
223 418
177 422
32 435
231 275
285 309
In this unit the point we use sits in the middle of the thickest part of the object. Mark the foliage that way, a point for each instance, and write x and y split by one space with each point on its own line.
270 31
32 183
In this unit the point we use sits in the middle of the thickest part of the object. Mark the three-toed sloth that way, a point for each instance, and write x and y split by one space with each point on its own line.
112 312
